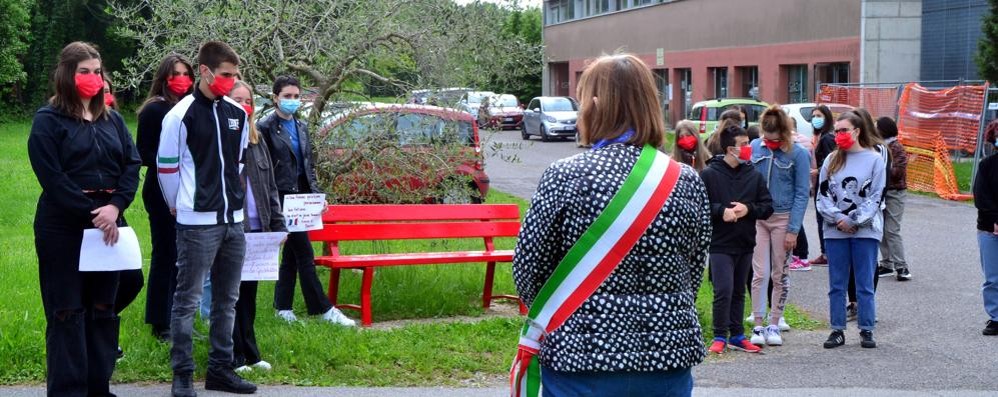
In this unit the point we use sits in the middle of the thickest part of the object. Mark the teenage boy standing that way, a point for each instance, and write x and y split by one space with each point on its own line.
199 161
738 197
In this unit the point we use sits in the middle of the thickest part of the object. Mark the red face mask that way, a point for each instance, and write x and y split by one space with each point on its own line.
248 109
844 140
222 85
108 99
179 85
88 85
772 145
745 153
687 143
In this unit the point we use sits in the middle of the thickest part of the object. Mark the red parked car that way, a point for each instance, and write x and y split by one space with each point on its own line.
447 137
503 111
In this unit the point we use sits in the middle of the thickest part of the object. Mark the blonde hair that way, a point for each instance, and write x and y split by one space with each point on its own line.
254 137
626 98
700 154
774 119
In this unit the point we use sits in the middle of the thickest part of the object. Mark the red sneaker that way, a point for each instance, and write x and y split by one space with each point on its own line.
746 346
717 347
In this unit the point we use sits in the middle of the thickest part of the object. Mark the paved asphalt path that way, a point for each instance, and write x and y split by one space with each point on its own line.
929 331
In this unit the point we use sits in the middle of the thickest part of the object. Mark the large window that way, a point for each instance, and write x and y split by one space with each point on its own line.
719 76
557 11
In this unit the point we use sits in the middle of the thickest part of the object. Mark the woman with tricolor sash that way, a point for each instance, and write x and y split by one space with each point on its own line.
611 253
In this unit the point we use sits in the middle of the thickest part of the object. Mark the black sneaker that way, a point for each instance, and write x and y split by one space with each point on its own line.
121 353
183 386
884 271
903 274
162 334
866 339
836 339
991 328
851 312
225 379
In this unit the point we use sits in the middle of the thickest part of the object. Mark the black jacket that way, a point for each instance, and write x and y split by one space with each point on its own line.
744 185
261 184
826 145
283 156
148 131
200 157
69 156
986 194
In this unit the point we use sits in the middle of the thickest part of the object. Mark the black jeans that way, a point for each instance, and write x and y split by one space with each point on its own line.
729 273
244 348
821 226
163 260
81 332
800 250
298 261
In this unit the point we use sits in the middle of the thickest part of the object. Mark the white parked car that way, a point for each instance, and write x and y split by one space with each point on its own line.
472 100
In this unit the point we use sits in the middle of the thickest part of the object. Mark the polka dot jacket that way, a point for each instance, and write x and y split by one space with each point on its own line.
642 317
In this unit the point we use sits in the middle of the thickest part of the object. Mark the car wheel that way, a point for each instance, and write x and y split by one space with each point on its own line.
544 134
524 134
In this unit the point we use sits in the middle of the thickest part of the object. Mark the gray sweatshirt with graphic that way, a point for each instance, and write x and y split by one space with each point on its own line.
854 194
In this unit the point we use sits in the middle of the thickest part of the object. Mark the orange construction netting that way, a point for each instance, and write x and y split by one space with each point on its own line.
879 101
931 123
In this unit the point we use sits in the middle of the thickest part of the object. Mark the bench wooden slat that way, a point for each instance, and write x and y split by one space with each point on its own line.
427 258
420 212
409 231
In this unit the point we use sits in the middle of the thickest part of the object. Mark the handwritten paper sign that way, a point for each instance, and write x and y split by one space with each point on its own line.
262 256
95 256
304 211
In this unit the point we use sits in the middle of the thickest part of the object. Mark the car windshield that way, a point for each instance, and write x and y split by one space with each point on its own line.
477 97
506 101
407 128
559 105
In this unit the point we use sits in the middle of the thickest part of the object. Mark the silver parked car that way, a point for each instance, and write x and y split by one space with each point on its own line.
550 117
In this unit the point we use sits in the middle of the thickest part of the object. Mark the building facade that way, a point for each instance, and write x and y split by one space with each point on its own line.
778 51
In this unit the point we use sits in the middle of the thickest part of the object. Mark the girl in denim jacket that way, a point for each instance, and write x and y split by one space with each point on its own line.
786 168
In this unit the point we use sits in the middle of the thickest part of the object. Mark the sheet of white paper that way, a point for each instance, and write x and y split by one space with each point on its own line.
262 256
304 211
95 256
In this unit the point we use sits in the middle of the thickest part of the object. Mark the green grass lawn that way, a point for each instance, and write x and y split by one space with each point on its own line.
308 353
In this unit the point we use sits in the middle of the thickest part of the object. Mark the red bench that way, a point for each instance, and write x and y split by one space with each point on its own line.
407 222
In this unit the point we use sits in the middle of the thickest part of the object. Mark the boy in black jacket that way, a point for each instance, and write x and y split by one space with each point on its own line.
738 197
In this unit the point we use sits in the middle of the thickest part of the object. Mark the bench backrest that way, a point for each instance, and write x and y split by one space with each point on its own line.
418 221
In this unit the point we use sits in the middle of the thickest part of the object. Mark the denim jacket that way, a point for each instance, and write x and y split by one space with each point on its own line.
788 176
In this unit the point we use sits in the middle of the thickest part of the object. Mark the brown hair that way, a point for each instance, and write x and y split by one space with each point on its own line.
868 137
159 91
254 137
66 99
774 119
627 99
698 159
213 53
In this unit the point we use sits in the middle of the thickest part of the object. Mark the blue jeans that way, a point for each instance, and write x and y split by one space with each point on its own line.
859 254
988 243
200 249
675 383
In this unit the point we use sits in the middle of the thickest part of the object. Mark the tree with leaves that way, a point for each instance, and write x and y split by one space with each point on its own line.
14 23
987 47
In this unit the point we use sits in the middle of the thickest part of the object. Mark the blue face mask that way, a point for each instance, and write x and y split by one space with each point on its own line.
289 106
818 122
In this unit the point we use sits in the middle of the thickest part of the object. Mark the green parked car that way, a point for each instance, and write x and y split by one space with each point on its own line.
707 113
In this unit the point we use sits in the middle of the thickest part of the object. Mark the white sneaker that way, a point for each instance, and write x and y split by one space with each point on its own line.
773 337
243 369
783 325
335 316
287 315
758 336
262 365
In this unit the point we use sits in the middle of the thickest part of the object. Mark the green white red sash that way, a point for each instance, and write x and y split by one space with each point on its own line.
591 260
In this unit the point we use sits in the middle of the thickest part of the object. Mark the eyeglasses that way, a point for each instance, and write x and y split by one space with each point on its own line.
841 130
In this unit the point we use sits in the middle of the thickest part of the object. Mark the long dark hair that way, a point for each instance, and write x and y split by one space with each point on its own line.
158 91
829 120
66 99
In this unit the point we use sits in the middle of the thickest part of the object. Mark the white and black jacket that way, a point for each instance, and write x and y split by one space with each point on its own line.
200 158
642 317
